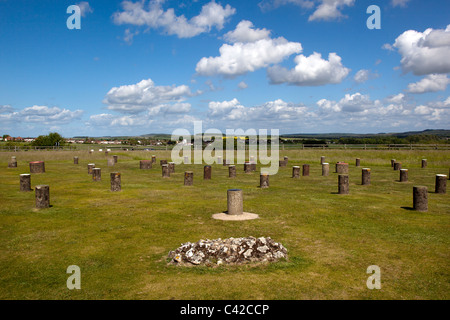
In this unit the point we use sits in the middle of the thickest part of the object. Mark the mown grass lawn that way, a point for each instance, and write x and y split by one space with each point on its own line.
121 240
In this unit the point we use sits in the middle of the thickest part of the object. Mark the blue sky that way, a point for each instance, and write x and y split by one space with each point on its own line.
300 66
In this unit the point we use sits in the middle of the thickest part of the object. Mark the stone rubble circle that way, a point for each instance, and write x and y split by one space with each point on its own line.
228 251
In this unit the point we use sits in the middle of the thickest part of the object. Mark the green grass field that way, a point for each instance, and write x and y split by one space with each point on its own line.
121 240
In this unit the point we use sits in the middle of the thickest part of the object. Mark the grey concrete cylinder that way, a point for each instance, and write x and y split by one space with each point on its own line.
172 167
397 166
342 168
75 160
42 196
116 181
420 198
358 162
207 170
116 159
305 171
247 167
25 182
325 169
235 202
286 159
264 180
441 183
188 178
165 171
12 163
322 159
282 163
343 184
90 166
37 167
424 163
111 162
365 179
145 164
403 175
96 174
295 172
232 171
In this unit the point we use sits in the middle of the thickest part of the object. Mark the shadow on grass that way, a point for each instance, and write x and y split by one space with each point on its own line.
408 208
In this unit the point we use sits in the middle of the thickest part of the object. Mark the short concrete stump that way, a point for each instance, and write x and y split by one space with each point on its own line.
365 177
42 196
153 159
424 163
111 162
232 171
295 172
25 182
165 171
75 160
358 162
403 175
305 171
207 173
441 184
12 163
116 181
342 168
397 166
37 167
172 167
96 174
322 159
162 162
325 169
420 198
145 164
90 166
343 184
189 178
264 180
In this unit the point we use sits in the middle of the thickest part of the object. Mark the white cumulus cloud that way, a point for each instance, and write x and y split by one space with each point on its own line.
154 16
425 52
310 71
431 83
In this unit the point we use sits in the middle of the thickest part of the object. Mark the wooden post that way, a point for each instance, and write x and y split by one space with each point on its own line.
25 182
96 174
116 181
37 167
232 171
165 170
145 164
343 184
305 172
207 173
325 169
90 166
264 180
42 196
295 172
403 175
235 202
441 183
188 178
424 163
75 160
420 198
365 180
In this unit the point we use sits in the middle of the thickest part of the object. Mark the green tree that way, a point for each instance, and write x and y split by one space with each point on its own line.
52 139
